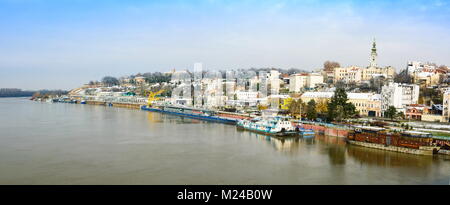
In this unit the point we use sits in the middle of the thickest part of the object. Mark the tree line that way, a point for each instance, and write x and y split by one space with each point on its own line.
156 77
336 109
15 92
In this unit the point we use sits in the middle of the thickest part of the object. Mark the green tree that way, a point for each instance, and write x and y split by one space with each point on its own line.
391 112
311 112
338 108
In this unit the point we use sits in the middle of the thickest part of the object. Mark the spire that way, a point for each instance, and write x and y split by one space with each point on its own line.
373 56
374 46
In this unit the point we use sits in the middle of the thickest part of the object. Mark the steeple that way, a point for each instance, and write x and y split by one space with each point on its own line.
373 55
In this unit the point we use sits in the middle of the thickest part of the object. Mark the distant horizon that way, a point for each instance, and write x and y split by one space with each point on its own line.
50 44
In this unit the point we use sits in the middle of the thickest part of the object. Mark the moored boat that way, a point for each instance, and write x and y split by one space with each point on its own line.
306 132
410 142
194 113
302 131
274 126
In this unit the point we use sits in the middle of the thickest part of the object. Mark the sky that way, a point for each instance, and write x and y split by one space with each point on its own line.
62 44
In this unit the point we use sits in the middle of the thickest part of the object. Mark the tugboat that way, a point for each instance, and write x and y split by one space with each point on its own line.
274 126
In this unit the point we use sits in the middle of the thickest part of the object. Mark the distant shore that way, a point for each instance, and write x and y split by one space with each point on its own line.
28 96
15 92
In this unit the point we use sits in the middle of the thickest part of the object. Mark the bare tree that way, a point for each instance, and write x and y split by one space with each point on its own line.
403 77
330 65
443 67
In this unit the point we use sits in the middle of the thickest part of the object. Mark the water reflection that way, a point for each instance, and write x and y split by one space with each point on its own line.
339 152
383 158
283 144
154 117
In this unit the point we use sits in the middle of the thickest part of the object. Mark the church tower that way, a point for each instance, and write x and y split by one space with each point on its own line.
373 56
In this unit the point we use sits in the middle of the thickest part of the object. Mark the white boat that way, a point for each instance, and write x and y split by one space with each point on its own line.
279 126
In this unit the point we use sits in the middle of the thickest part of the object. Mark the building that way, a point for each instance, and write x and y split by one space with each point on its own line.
415 111
297 82
139 79
432 118
274 82
352 74
372 72
246 95
314 79
433 113
328 76
414 66
430 78
367 104
399 96
446 106
425 74
356 74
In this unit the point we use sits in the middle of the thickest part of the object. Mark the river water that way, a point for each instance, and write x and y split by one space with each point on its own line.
45 143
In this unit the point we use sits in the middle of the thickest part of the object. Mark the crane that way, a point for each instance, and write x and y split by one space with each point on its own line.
152 96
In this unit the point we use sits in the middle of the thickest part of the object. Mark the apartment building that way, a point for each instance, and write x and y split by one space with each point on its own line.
399 95
367 104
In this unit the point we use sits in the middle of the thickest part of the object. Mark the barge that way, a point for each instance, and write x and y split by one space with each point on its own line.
326 128
410 142
193 113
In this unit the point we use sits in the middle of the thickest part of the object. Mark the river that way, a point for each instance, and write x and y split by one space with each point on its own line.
55 143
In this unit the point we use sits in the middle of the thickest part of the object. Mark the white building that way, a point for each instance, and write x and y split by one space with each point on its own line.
304 80
314 79
399 95
246 95
274 81
446 106
297 82
414 66
246 99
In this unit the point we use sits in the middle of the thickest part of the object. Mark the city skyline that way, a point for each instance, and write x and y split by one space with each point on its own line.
62 44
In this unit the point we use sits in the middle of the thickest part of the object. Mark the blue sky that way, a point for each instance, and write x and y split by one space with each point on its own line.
64 43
